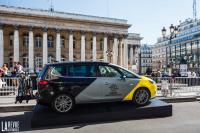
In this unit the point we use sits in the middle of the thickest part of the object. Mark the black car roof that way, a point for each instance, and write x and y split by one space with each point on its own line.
78 63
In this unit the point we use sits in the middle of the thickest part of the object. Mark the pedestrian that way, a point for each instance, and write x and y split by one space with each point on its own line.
153 74
19 68
15 69
14 74
4 68
194 75
189 73
1 72
159 74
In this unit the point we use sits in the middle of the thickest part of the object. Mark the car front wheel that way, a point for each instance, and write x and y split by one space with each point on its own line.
141 96
63 103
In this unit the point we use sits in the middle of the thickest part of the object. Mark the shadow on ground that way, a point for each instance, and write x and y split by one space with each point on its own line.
43 118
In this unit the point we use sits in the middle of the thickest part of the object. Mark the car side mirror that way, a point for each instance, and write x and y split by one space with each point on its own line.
123 77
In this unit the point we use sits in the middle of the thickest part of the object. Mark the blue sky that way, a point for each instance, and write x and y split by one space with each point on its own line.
146 16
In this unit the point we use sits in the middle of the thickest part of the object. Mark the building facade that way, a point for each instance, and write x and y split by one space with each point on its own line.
145 58
134 43
183 49
36 37
159 56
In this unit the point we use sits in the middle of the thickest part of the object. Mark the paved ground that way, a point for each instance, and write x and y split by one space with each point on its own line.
185 119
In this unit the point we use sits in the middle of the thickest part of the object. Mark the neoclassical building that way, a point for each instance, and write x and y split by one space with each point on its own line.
36 37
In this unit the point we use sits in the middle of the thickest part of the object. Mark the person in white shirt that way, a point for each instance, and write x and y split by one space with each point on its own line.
19 68
189 74
194 75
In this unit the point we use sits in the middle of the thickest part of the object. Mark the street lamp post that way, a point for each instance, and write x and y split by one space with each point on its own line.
173 33
139 61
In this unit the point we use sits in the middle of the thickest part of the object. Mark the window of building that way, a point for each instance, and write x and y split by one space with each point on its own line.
75 58
50 41
74 42
185 28
25 62
91 43
62 42
38 62
25 40
101 44
10 62
38 41
11 38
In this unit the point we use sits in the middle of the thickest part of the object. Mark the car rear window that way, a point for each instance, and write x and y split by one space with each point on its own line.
56 72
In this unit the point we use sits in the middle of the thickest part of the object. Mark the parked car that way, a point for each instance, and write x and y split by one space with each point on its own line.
62 85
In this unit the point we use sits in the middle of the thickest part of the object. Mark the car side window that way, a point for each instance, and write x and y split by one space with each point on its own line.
108 71
128 74
82 71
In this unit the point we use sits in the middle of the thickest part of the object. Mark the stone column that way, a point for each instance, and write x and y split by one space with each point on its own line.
94 50
131 56
16 44
45 47
115 50
121 53
71 45
198 54
125 53
1 46
82 46
58 46
105 47
31 50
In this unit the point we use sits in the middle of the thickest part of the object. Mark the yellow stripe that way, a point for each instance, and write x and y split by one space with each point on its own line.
144 82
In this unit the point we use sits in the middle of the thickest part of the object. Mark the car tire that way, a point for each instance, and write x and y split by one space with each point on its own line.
63 103
141 96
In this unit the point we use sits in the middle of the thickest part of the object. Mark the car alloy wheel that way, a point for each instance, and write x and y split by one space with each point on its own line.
63 103
141 96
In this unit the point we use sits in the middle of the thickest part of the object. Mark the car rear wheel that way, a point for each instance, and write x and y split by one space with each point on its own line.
63 103
141 96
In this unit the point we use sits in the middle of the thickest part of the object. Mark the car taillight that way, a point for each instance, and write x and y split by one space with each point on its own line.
43 82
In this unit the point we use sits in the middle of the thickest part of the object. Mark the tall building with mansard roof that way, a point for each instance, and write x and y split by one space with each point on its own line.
184 48
36 37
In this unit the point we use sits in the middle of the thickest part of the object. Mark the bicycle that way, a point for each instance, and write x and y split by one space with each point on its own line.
25 88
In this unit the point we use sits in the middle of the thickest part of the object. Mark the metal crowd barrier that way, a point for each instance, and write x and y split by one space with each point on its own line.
178 86
8 86
8 89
